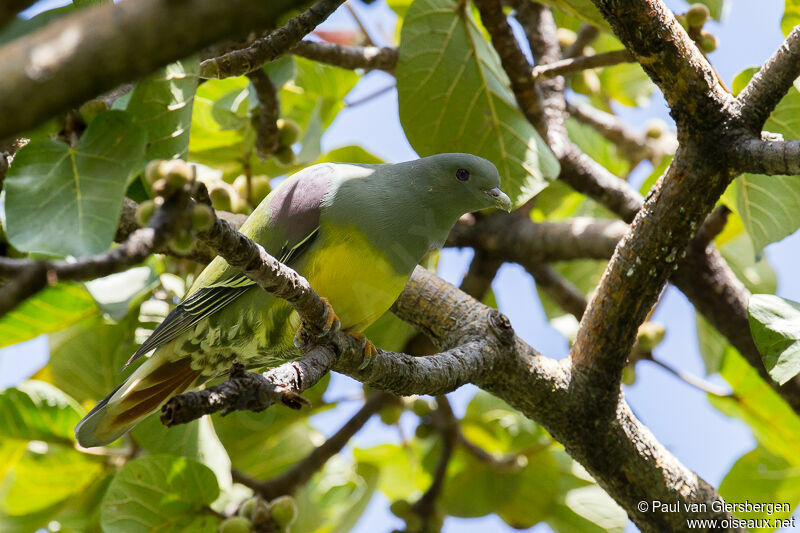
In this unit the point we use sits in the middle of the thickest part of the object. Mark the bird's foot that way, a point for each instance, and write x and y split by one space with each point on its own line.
332 323
368 349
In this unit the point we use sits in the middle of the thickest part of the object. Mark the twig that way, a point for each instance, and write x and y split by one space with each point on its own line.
300 473
567 66
586 35
635 146
264 50
267 137
692 380
370 96
77 62
564 293
712 227
765 90
349 57
359 23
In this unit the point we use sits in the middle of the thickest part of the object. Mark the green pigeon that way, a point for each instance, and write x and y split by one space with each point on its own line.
354 231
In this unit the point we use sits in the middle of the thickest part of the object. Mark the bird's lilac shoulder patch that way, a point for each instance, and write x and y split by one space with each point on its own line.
296 204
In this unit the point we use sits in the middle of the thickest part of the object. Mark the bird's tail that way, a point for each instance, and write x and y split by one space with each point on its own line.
142 393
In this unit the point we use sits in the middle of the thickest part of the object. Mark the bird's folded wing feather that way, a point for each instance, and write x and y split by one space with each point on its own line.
293 219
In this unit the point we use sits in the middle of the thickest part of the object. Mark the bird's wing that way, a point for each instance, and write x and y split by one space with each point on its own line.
290 214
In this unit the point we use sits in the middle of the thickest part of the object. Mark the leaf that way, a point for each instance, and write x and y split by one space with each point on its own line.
791 16
712 344
160 493
38 411
196 440
759 476
401 471
774 424
593 504
742 79
66 201
775 326
390 333
52 309
597 147
20 26
454 97
118 293
40 480
86 359
492 424
585 10
350 154
162 104
335 498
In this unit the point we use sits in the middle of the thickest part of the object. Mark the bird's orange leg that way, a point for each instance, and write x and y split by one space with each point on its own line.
332 323
368 349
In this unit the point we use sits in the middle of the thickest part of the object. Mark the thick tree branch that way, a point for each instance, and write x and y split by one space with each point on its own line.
564 293
758 156
770 84
277 43
576 64
96 49
349 57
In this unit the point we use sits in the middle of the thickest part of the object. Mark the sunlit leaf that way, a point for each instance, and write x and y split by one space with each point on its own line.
66 201
775 325
34 410
791 16
160 493
117 293
454 97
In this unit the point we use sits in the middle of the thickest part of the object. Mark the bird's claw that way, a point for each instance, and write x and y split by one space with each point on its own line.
368 349
331 323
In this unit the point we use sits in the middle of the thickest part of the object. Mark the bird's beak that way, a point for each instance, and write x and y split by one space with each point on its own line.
499 199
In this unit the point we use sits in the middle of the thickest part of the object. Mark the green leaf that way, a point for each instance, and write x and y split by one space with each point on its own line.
759 476
597 147
390 333
712 343
40 480
52 309
118 293
20 26
335 498
454 97
35 410
401 472
66 201
752 270
742 79
774 424
160 493
593 504
196 440
626 83
492 424
775 326
162 104
86 359
585 10
791 16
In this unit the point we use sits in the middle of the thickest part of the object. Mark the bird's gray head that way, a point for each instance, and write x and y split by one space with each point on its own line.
463 181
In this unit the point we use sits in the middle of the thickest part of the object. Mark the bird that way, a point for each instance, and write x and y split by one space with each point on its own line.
354 231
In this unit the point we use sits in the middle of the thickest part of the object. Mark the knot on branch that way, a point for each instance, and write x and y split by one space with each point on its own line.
501 326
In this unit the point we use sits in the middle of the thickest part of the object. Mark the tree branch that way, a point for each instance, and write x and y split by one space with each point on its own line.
264 50
564 293
770 84
575 64
349 57
79 56
759 156
586 35
267 136
11 8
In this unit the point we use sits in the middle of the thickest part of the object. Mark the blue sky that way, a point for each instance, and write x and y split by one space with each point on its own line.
678 415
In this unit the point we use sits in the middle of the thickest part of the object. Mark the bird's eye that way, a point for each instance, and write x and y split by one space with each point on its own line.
462 174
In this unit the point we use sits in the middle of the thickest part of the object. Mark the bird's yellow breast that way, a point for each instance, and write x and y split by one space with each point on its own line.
356 278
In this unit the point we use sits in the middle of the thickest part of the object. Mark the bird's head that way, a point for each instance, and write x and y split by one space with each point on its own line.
463 182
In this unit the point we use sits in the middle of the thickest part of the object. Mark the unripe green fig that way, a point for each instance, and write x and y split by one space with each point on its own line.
220 198
682 21
240 185
144 212
179 173
655 129
288 131
400 508
283 510
390 414
255 509
586 82
421 407
423 431
708 42
163 188
697 15
259 189
182 243
155 170
202 217
89 110
650 335
239 206
235 524
566 37
285 156
629 375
